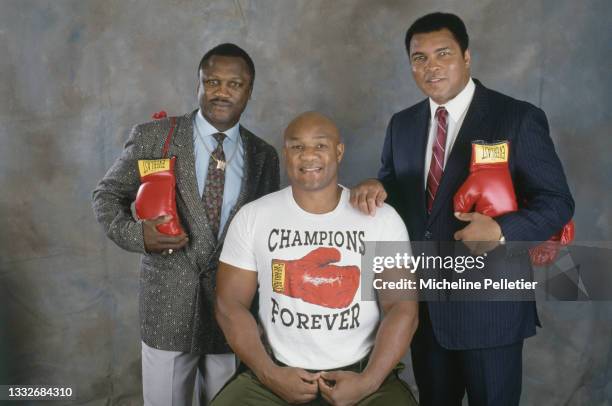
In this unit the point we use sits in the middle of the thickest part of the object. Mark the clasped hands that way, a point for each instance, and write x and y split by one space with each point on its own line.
339 388
481 235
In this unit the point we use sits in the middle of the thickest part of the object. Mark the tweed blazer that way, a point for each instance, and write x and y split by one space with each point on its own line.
177 291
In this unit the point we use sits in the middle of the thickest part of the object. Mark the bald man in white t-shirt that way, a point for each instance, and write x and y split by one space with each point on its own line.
302 247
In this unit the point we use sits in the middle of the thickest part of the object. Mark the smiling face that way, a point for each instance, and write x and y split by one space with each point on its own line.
312 152
223 90
439 67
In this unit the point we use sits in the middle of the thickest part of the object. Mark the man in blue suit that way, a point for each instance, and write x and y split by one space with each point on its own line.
473 347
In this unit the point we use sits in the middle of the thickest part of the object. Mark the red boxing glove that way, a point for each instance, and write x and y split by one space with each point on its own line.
566 235
488 189
156 195
314 280
545 253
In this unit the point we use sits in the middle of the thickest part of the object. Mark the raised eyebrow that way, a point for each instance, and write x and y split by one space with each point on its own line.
443 49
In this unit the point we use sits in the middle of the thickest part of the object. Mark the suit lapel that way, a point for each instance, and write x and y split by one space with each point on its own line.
475 127
421 129
253 163
187 184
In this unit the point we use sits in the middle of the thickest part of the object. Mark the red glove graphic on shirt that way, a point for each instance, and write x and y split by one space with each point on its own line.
156 195
314 280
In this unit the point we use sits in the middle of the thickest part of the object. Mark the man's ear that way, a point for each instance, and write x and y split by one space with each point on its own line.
339 152
467 57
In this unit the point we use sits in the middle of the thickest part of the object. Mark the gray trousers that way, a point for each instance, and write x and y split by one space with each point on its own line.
169 377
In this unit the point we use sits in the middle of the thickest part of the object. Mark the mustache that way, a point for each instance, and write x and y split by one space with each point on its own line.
220 100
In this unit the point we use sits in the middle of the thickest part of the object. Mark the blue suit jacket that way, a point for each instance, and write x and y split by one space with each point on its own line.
538 179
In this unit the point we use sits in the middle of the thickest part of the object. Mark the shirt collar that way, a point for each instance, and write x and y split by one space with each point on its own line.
458 105
207 129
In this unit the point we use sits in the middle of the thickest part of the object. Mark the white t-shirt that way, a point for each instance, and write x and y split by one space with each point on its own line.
309 276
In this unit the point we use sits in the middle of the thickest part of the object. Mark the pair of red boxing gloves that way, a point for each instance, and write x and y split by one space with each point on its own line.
489 190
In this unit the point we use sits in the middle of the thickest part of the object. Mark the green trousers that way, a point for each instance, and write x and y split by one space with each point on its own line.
245 389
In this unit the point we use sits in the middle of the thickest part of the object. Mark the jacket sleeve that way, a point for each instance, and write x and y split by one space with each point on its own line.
271 172
114 194
545 201
386 173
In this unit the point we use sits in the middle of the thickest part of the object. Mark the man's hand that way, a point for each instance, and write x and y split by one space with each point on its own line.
156 242
481 235
344 388
294 385
368 195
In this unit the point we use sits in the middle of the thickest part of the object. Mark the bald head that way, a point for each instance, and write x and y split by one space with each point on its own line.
312 122
312 152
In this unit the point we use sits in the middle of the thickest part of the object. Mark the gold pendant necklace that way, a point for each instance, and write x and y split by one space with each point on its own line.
221 164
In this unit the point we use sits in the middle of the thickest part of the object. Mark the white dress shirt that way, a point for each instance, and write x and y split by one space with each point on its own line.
234 156
457 108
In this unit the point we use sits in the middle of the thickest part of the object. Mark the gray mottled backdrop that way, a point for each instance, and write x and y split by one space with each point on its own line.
76 75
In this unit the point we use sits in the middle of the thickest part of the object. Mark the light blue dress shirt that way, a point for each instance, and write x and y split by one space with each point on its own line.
234 156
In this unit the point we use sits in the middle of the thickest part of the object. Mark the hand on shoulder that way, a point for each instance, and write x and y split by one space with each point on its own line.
368 195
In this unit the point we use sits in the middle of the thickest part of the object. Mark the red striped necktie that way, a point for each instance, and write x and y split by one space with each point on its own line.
436 168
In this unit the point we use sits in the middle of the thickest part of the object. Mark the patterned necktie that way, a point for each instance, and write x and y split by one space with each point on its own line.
436 168
215 182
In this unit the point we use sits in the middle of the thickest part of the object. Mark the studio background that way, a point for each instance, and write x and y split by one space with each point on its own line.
77 75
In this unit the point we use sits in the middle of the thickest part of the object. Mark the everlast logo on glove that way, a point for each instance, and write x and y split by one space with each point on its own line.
496 153
149 166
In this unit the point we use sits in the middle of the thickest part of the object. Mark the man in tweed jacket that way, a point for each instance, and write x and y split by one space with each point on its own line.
177 274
